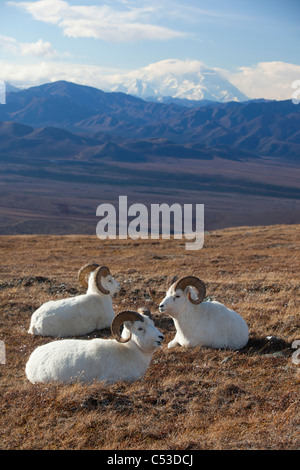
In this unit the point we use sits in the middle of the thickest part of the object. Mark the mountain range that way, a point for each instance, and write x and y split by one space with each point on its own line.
262 128
65 147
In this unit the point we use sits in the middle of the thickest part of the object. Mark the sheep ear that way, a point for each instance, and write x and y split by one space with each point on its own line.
101 271
198 300
145 311
195 282
188 291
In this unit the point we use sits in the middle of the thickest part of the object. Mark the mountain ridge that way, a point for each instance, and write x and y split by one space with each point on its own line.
59 143
260 127
64 148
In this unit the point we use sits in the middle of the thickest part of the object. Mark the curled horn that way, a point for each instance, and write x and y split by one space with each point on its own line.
84 271
119 319
101 271
153 296
170 281
145 311
195 282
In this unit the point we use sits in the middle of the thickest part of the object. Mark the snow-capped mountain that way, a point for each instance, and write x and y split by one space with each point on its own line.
188 80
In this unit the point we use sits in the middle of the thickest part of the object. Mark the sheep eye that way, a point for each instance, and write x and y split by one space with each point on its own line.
141 329
177 296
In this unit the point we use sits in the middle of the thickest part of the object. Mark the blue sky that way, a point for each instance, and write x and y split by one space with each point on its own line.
254 44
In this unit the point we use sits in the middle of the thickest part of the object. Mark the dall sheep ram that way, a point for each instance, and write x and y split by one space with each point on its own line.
209 323
125 357
79 315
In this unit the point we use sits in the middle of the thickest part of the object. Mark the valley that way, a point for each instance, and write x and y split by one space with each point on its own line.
66 148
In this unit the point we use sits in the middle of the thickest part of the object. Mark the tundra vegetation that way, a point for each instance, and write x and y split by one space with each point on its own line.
190 398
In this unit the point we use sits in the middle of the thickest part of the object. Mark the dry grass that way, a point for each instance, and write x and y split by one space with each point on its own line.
189 399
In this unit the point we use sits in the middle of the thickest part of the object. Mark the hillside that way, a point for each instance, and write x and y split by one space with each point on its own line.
189 399
54 187
66 148
259 127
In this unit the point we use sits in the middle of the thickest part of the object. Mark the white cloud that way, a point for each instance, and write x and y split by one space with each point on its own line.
50 11
9 44
188 79
269 80
177 78
101 22
33 74
38 48
165 75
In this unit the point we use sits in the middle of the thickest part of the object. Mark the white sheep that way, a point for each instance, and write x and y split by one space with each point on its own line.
209 324
125 357
79 315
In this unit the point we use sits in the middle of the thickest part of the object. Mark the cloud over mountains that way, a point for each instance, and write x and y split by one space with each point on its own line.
184 79
152 48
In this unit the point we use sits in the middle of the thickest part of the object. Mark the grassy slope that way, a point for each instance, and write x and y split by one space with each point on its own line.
189 399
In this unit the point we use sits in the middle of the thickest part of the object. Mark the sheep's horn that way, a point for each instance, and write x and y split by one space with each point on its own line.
171 279
145 311
195 282
84 271
101 271
153 296
119 319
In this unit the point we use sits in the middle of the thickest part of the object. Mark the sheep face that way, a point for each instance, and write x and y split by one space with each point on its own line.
110 284
145 334
107 282
176 302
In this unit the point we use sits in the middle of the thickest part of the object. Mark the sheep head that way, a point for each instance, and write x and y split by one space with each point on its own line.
120 318
142 330
99 271
175 301
194 282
